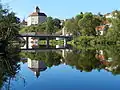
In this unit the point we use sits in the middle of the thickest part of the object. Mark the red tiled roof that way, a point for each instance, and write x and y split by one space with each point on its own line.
100 28
101 58
37 14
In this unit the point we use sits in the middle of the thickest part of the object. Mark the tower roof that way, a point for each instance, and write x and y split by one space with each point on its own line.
37 7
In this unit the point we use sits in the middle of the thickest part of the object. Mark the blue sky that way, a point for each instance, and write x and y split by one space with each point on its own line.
62 9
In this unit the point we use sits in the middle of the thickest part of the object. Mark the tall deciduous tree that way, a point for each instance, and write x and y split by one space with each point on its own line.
78 17
71 26
50 25
9 24
88 23
57 23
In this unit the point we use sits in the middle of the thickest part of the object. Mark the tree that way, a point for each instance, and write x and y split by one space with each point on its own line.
9 24
88 23
78 17
57 23
71 26
50 25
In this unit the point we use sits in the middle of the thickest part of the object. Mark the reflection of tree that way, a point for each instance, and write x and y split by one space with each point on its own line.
87 59
50 58
113 52
8 66
84 61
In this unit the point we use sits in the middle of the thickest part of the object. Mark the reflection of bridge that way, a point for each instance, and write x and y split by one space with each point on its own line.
43 49
27 37
43 36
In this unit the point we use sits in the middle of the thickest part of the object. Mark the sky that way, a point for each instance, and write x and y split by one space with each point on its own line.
62 9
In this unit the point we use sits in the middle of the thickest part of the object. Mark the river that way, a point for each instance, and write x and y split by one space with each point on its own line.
76 69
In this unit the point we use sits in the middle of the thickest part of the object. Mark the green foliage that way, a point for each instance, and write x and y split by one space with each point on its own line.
34 28
84 40
50 25
71 26
88 24
85 61
83 24
50 58
78 17
114 31
9 24
57 23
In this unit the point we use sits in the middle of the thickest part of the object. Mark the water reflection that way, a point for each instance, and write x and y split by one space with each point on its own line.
36 66
88 60
108 60
50 58
9 67
83 60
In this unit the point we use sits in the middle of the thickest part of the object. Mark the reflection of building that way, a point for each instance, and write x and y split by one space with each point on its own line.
105 61
36 66
64 53
100 56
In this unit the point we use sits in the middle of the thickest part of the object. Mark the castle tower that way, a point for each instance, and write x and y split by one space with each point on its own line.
37 9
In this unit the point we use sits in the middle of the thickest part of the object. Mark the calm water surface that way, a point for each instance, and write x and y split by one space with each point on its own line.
64 77
67 70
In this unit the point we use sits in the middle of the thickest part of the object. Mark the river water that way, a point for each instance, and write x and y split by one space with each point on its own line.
83 69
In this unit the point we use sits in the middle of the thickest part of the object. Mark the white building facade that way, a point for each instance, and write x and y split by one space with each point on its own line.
36 17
